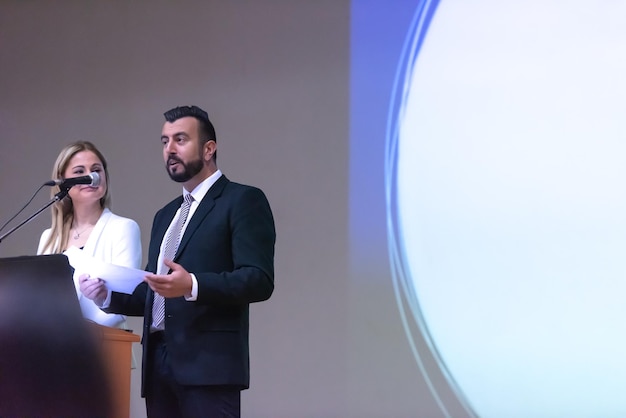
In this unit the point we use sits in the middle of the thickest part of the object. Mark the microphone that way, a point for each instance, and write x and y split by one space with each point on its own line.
93 179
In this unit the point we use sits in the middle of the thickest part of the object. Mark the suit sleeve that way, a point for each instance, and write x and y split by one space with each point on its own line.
131 305
252 239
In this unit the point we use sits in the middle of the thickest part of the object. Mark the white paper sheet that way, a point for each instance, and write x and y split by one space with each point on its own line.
117 278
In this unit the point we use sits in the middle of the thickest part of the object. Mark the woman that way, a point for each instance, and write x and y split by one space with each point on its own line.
83 220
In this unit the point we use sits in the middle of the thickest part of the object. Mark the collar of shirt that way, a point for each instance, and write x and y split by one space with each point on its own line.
201 190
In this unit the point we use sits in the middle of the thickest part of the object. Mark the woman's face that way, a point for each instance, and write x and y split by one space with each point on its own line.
81 164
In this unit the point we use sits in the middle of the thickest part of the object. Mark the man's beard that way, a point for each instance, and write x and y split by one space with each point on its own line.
188 171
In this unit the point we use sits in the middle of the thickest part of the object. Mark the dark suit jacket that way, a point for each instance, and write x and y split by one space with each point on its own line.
229 246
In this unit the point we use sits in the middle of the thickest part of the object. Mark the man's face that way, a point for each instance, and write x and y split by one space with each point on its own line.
182 152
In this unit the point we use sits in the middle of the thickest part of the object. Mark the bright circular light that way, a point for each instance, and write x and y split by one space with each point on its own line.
510 200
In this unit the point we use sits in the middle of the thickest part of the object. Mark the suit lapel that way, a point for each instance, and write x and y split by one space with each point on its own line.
205 206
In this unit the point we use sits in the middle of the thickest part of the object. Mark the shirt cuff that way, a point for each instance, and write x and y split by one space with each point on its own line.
194 289
107 301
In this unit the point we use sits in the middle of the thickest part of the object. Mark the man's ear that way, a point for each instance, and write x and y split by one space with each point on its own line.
209 150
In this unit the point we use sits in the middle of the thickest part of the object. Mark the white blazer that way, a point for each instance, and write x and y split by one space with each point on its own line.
114 240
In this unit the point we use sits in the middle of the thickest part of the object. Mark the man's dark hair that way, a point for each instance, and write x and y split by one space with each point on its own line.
207 131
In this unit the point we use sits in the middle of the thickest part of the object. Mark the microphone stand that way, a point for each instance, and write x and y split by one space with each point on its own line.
56 198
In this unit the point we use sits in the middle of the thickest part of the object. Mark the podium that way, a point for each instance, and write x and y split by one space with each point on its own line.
116 346
53 361
51 364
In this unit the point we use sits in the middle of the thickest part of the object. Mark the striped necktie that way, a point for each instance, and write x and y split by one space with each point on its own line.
169 251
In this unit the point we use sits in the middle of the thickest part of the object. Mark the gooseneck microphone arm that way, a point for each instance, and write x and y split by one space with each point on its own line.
56 198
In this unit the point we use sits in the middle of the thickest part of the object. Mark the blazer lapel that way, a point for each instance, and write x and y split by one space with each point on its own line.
205 206
94 236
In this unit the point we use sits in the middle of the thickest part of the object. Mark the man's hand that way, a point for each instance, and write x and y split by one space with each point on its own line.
93 289
175 284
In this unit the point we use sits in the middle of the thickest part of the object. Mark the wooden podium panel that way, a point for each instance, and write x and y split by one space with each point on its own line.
116 346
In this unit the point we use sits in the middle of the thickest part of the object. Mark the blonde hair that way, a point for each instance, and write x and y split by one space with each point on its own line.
63 210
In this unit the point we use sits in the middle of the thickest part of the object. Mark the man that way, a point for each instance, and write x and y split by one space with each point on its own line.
195 361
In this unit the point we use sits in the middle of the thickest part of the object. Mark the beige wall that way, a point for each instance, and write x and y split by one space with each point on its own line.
273 76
